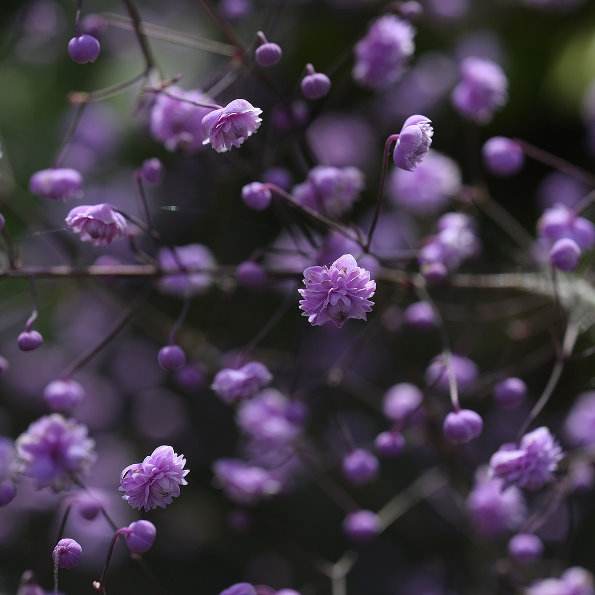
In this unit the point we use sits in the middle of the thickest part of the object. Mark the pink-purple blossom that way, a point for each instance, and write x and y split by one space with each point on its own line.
231 126
335 293
236 384
156 481
98 224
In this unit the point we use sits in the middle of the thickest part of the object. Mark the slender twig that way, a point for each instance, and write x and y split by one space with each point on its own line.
570 337
390 141
557 163
143 42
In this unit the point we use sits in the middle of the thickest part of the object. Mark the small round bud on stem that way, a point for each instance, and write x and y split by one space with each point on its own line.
462 426
29 340
67 553
360 467
315 85
361 526
257 196
140 536
565 254
152 170
267 53
171 357
84 49
510 393
525 547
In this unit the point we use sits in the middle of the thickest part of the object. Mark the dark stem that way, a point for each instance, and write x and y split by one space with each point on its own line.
143 42
100 584
556 162
64 521
143 198
390 141
118 327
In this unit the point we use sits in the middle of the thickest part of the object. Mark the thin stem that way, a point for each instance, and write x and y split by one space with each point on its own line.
100 585
170 36
143 198
64 521
118 327
70 132
143 42
390 141
56 576
227 31
570 337
328 223
556 163
83 97
162 90
180 320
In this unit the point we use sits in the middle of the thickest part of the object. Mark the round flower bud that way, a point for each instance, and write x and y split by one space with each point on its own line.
525 547
84 49
420 316
462 426
251 274
191 377
67 553
503 156
7 492
171 357
140 536
400 401
434 272
257 196
87 505
565 255
315 85
268 54
510 393
389 444
29 340
4 365
361 526
360 467
240 589
152 170
63 395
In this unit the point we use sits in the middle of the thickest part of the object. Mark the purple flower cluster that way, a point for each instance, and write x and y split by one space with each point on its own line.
335 293
55 451
530 465
330 190
566 235
237 384
455 242
482 90
156 481
245 483
176 119
382 55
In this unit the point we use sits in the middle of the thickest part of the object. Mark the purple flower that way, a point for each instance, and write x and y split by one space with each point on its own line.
54 450
575 581
190 269
330 190
63 395
579 427
482 90
503 156
231 125
156 481
493 508
381 56
413 143
244 483
98 224
428 188
57 183
270 416
177 122
236 384
532 464
337 292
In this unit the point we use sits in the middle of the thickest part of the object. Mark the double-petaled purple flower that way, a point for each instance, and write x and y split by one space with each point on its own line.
156 481
337 292
54 451
532 464
413 143
330 190
236 384
231 125
381 56
176 119
98 224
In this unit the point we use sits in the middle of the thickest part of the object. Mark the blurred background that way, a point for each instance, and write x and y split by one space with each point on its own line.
205 542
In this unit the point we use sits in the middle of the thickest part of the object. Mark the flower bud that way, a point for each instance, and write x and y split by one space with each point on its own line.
140 536
362 526
462 426
171 357
84 49
67 553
